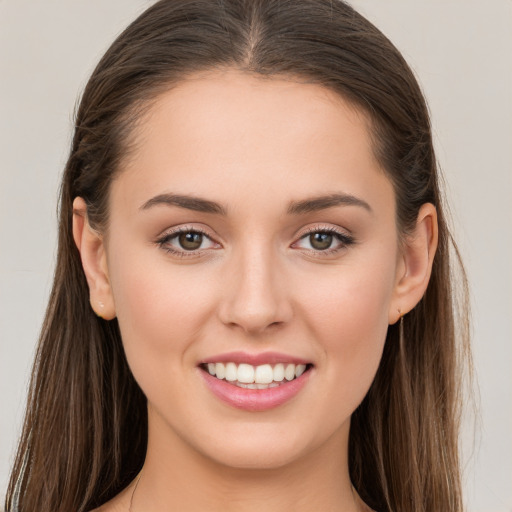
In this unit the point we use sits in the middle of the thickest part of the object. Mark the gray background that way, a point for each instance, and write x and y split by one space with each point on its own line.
461 51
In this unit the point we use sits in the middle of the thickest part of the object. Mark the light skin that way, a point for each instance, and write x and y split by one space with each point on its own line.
277 269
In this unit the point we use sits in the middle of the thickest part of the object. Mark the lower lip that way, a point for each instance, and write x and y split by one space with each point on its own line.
255 399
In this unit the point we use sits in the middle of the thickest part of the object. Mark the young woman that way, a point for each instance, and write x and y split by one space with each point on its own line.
253 307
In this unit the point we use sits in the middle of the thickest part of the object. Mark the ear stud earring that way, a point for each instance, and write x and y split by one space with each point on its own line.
101 306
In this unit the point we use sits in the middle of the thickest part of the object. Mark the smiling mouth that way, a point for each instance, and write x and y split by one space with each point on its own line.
263 376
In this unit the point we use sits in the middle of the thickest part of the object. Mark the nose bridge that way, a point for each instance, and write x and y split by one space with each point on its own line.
255 298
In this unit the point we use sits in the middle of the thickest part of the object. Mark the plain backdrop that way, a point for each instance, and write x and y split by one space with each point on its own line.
461 51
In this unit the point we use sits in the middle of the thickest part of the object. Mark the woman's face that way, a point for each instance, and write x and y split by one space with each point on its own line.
252 225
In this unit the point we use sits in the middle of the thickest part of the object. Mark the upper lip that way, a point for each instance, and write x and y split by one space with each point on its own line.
255 359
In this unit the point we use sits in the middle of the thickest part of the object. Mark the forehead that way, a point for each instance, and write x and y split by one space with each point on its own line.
248 106
227 132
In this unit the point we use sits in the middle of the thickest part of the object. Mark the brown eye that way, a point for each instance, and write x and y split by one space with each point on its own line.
187 242
321 241
324 242
190 240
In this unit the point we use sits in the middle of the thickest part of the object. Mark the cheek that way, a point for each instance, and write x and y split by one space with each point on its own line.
153 301
348 315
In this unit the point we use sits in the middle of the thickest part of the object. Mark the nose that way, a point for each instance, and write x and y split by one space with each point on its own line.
255 293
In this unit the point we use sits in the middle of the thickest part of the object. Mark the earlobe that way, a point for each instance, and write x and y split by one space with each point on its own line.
94 262
415 267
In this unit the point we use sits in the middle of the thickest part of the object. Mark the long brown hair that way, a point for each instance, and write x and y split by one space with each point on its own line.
85 430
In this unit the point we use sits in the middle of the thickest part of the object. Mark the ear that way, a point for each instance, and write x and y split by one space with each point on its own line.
415 264
94 261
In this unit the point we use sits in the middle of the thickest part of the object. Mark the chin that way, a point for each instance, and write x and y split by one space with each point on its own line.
269 447
255 457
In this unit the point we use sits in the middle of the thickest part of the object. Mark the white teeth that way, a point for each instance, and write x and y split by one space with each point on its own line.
278 372
289 373
299 370
264 374
257 386
231 372
220 370
256 377
245 373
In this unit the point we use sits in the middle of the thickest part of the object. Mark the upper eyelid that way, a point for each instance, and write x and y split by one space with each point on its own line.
323 228
186 229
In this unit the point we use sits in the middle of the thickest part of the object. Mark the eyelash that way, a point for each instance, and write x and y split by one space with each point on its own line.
164 240
344 240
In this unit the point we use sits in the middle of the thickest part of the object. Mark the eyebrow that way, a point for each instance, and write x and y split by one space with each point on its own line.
323 202
196 204
295 208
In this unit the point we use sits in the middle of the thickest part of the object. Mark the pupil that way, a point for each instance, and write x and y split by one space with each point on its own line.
191 241
320 241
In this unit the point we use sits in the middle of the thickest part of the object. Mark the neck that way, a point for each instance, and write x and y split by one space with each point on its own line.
176 477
